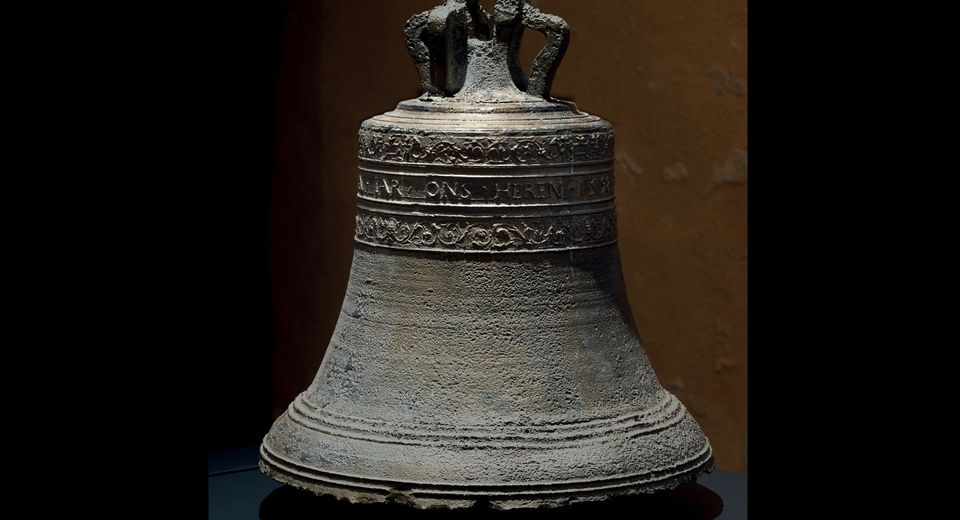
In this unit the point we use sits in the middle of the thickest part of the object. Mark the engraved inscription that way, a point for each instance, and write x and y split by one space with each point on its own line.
385 187
517 150
446 190
527 234
496 190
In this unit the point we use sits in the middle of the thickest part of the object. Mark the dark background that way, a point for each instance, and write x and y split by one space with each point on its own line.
290 82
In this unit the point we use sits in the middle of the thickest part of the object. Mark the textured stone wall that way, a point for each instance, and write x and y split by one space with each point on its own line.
669 74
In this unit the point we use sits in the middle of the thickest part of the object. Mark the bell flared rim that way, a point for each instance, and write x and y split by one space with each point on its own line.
502 495
538 465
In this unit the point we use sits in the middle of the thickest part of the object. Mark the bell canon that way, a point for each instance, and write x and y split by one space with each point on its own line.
485 351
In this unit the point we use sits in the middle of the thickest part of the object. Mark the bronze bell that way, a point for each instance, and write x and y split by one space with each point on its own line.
485 350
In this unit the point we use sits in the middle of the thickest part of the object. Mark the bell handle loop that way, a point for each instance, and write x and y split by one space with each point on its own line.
436 40
547 62
418 31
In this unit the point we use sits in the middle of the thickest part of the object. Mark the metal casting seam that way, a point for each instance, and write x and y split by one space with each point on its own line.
605 209
611 201
666 401
566 170
485 251
635 430
479 167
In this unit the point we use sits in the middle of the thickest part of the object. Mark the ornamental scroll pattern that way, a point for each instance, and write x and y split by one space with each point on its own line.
531 234
499 150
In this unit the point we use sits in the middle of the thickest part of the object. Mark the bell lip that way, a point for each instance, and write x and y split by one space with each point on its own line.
499 496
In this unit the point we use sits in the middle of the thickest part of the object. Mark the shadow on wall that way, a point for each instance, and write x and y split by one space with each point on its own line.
687 502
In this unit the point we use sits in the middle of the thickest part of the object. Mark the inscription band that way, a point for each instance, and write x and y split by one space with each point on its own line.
387 187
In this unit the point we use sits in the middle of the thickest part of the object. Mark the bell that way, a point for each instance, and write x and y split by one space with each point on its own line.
485 351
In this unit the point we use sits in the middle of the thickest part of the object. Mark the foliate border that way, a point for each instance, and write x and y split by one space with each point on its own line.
479 235
494 150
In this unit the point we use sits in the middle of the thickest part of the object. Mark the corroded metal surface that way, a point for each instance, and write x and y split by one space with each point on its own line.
486 349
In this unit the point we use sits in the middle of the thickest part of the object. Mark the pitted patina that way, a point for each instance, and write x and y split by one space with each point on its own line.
486 351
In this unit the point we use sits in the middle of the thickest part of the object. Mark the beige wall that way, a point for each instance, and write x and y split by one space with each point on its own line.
669 74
